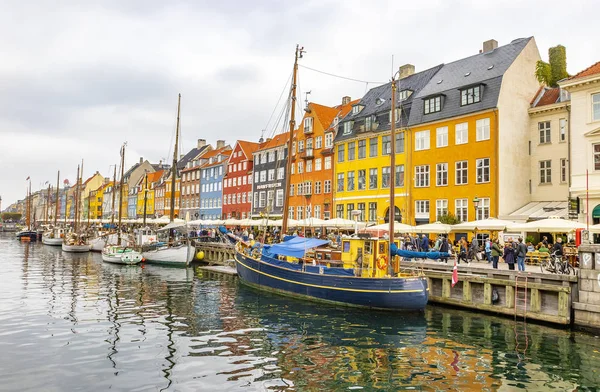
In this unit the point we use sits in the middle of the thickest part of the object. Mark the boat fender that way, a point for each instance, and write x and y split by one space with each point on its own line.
382 262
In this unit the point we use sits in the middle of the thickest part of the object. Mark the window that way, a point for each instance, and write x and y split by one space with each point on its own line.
317 187
347 127
362 149
309 143
563 170
339 211
293 149
385 177
351 151
470 95
361 207
483 208
279 199
544 129
462 133
280 173
421 176
329 140
292 186
349 209
340 152
318 164
596 107
422 208
308 188
433 105
441 208
399 180
545 172
340 182
369 120
317 213
263 176
462 172
399 142
271 175
373 147
293 168
422 140
308 125
372 212
309 166
272 156
350 181
327 186
596 148
291 213
372 178
396 115
362 180
327 163
262 199
562 133
441 174
483 129
301 189
300 145
299 212
319 142
386 147
483 170
441 137
402 95
300 167
355 109
461 209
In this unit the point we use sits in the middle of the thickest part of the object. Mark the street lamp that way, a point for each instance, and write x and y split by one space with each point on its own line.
475 205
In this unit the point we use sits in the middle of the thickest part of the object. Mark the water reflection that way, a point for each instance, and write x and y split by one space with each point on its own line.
84 324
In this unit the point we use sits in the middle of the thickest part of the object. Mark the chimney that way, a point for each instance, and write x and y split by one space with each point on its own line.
141 159
489 45
406 70
220 144
201 143
346 100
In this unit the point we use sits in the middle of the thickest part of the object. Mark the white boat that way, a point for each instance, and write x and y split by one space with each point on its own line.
181 255
75 248
54 237
121 255
101 241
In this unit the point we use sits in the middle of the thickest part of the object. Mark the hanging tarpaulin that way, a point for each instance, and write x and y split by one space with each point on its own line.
596 212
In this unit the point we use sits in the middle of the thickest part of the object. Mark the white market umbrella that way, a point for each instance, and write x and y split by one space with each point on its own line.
435 227
549 225
491 224
312 222
595 228
398 227
342 223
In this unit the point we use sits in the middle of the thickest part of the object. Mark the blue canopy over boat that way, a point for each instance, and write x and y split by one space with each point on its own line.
294 247
395 251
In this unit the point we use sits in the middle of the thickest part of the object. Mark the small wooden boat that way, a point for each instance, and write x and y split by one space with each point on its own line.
121 255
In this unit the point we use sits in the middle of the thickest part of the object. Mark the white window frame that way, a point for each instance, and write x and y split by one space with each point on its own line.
329 140
482 167
318 142
545 132
422 140
318 164
563 170
327 164
279 198
483 208
595 101
562 130
441 208
458 177
461 209
545 170
461 133
441 137
432 105
440 170
422 176
308 125
483 129
422 209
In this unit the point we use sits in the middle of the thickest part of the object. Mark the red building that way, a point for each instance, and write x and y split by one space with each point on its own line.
237 183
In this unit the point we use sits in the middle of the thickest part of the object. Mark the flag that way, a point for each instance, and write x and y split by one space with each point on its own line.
454 274
27 179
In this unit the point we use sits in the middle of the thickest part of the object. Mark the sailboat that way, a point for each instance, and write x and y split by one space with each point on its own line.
109 238
76 242
28 234
369 273
118 253
177 250
54 237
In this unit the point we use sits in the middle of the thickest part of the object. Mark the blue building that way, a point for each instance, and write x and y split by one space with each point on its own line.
211 182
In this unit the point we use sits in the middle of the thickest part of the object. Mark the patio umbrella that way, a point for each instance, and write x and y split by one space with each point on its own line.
398 227
435 227
549 225
490 224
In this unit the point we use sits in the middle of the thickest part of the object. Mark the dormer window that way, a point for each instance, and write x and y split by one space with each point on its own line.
356 109
369 122
433 104
348 127
404 94
397 114
308 125
470 95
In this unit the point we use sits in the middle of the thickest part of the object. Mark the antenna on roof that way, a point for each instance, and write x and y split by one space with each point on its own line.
306 94
262 134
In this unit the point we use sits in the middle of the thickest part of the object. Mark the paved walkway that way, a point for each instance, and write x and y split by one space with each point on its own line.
479 264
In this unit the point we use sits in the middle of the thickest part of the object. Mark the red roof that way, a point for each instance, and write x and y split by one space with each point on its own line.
549 96
248 147
153 177
589 71
211 154
278 140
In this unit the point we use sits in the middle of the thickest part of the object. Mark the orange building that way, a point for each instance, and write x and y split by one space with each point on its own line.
311 193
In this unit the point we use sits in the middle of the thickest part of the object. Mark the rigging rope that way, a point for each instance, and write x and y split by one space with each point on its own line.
339 76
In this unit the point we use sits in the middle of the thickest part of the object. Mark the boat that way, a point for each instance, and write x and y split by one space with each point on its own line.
176 249
28 234
120 254
364 273
74 241
54 236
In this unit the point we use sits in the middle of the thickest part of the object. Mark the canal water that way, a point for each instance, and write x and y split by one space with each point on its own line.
70 322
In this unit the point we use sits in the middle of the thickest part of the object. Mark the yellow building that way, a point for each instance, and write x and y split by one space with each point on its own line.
147 185
97 200
362 151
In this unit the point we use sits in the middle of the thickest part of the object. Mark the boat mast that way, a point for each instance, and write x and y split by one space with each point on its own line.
288 167
81 190
28 207
392 210
114 194
121 192
76 201
145 199
56 207
48 203
174 169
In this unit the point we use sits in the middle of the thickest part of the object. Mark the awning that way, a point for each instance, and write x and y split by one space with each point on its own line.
295 247
596 212
537 210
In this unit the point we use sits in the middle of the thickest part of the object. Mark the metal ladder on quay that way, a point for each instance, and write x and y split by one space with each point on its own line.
520 326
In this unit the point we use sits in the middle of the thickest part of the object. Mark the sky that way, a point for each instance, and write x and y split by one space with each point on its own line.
79 78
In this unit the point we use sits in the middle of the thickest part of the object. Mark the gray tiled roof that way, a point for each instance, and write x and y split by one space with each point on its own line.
377 102
193 153
483 68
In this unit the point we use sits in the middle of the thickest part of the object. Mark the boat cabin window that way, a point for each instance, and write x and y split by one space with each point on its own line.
346 246
382 248
368 247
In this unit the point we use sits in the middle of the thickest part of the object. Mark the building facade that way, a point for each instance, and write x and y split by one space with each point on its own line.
269 183
237 182
211 182
189 169
146 193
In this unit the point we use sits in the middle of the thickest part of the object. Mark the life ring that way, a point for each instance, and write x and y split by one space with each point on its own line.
382 262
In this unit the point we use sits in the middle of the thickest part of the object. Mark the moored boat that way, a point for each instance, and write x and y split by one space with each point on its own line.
53 237
121 255
75 242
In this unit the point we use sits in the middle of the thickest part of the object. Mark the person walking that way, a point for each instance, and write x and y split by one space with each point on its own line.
475 248
462 250
444 248
488 250
521 253
495 252
509 255
424 243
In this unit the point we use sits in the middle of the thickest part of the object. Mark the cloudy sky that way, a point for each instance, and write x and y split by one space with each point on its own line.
78 78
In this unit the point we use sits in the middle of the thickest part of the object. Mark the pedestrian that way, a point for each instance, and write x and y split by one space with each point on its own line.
475 248
521 252
545 241
444 248
424 243
496 252
462 250
488 250
509 255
